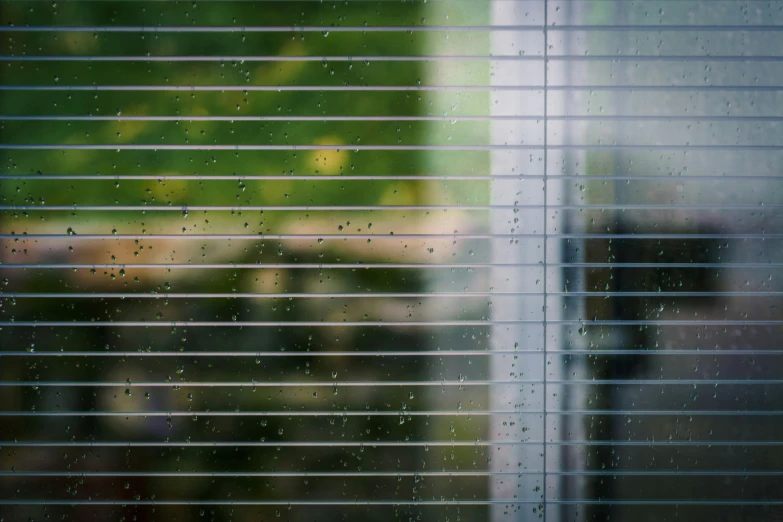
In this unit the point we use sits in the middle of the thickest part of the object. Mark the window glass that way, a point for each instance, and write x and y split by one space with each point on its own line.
377 260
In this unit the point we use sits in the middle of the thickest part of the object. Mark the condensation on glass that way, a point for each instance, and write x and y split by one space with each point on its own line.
500 260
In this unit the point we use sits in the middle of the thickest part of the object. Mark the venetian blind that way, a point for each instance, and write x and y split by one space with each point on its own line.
391 260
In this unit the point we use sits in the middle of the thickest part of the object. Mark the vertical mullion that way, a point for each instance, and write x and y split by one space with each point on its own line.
514 165
546 280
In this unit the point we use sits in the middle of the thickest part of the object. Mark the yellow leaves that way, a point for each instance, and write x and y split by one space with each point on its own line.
168 189
328 161
124 131
197 110
281 73
79 42
398 194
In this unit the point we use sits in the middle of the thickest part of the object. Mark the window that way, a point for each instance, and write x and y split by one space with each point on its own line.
391 260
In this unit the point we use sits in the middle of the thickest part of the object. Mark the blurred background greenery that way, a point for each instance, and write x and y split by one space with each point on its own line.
285 249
